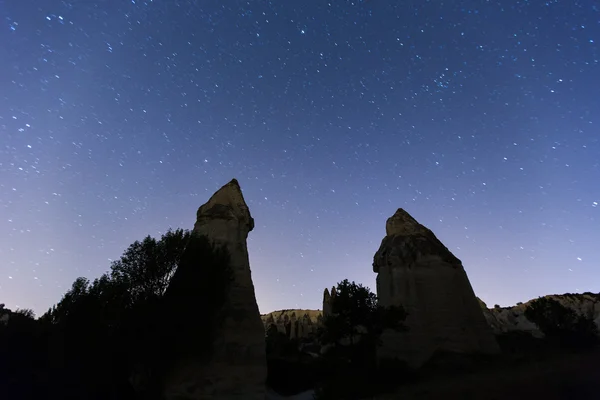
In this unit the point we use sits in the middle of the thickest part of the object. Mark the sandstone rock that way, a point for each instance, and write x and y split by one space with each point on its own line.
238 368
415 270
508 319
298 324
327 299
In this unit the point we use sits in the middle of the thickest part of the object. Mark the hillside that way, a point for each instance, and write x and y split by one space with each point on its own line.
501 319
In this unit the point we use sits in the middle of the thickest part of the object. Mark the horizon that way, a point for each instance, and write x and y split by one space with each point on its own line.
118 120
372 287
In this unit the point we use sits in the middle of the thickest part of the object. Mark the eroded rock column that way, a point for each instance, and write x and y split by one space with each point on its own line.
238 367
415 270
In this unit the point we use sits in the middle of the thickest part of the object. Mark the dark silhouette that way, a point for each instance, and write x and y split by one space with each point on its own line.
290 370
115 337
356 316
562 324
352 332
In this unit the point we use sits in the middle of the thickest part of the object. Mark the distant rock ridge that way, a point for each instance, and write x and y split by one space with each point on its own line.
509 319
295 324
416 271
500 319
298 323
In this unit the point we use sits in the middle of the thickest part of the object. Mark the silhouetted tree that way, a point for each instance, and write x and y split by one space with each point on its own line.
157 299
146 267
354 329
356 316
26 312
22 356
190 310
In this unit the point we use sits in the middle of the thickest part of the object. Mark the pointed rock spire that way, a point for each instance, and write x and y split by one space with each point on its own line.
402 223
226 204
326 302
415 270
238 367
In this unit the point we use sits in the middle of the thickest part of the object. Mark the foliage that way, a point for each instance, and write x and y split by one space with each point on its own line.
353 331
133 318
562 324
146 267
355 316
26 312
21 355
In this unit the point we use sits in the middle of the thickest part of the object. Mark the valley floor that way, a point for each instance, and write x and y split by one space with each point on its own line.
308 395
570 376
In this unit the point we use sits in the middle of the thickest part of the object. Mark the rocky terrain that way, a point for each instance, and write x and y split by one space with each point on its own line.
295 324
507 319
500 319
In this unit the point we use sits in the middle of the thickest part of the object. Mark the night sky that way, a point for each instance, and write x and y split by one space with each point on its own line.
118 119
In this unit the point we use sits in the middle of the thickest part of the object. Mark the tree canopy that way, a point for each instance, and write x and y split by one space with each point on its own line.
126 326
352 331
356 315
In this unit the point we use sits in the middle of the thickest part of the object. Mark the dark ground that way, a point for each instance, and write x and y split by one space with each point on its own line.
555 377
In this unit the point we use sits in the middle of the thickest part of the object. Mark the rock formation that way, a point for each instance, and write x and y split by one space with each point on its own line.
508 319
415 270
499 319
300 324
295 324
327 299
237 368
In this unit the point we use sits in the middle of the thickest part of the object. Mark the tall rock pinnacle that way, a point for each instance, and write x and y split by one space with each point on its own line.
238 367
327 302
415 270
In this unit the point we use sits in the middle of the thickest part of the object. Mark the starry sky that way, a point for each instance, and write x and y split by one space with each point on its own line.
118 119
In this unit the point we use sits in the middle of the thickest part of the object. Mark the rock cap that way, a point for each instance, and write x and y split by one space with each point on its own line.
402 223
227 203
